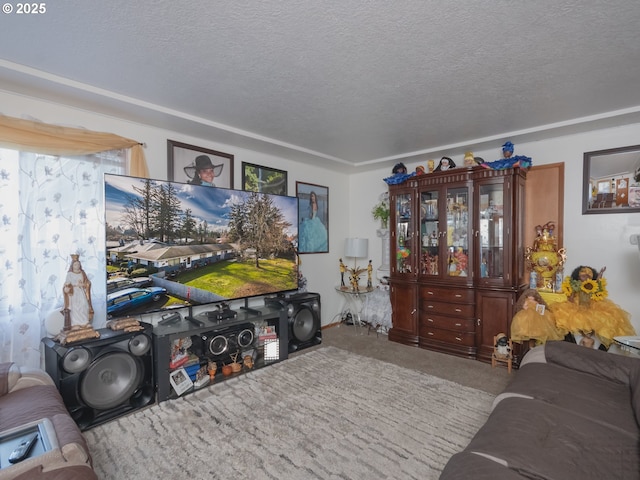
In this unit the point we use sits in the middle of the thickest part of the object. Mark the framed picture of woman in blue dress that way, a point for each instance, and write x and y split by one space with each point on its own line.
313 218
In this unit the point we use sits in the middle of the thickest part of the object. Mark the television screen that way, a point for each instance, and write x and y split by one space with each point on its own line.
173 244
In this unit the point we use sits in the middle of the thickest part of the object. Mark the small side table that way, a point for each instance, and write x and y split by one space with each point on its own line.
629 346
353 303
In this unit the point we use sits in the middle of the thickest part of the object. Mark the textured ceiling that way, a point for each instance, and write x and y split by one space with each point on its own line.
347 82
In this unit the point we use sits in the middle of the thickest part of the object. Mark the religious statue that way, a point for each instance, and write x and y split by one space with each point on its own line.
78 309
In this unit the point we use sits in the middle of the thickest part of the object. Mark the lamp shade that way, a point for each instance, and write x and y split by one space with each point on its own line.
356 247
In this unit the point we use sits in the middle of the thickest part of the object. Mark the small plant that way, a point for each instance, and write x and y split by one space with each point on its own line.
381 210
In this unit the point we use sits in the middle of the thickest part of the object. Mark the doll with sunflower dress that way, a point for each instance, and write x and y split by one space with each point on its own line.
588 310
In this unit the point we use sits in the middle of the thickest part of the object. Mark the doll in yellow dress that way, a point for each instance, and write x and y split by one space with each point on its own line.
588 310
534 321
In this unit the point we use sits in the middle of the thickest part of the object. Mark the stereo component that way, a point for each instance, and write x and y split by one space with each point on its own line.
220 343
303 317
104 378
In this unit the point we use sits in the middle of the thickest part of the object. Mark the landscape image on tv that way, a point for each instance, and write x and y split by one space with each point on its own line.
173 244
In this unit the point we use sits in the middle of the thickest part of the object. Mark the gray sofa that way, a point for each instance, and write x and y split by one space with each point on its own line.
569 412
28 397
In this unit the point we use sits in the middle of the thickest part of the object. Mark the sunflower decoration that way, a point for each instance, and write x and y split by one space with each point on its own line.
586 284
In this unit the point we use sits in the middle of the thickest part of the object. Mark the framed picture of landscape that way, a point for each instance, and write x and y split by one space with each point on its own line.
256 178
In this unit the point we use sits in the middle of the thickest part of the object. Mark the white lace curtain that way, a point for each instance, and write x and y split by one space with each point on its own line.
51 206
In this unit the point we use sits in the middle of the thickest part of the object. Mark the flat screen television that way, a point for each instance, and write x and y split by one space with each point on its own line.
186 245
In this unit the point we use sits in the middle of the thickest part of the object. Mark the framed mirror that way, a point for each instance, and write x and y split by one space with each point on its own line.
611 181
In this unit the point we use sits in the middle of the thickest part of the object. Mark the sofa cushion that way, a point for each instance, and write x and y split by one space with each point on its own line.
28 404
594 398
541 441
618 368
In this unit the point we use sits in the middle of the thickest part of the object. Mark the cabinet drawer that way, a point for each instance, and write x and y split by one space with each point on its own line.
440 294
455 309
448 336
447 323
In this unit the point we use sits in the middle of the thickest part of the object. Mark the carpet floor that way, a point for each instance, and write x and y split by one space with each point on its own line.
325 414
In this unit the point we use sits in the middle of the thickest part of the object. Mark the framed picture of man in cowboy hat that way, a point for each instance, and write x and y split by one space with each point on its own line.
199 166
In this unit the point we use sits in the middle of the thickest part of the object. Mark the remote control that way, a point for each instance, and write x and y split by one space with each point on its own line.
22 451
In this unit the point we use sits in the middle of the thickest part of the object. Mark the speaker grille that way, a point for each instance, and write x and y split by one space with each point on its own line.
111 380
304 325
245 338
218 345
76 360
139 345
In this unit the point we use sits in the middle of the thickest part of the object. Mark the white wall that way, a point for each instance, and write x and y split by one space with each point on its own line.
321 270
594 240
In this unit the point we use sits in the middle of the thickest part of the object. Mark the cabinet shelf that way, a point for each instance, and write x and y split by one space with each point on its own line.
456 242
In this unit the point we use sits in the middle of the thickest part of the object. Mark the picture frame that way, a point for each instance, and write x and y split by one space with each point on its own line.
181 164
180 381
313 223
256 178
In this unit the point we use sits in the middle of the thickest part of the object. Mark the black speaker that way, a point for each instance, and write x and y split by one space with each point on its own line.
221 343
302 312
104 378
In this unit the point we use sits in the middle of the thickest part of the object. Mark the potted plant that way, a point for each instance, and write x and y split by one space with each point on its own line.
381 210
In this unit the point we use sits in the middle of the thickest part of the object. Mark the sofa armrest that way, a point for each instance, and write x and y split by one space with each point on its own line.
4 377
595 362
74 472
14 377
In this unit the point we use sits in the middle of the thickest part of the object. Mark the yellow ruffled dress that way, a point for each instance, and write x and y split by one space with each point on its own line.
602 317
530 324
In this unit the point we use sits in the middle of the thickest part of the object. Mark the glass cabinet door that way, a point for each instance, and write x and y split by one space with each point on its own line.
429 233
491 228
457 235
404 233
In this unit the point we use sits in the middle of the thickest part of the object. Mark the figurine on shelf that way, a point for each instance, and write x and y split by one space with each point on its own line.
399 168
400 174
77 295
469 160
343 270
445 164
78 309
369 272
420 170
508 160
212 367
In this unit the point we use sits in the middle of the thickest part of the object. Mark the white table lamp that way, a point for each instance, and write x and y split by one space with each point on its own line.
356 248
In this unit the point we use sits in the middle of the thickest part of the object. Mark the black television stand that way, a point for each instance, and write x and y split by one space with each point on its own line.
253 311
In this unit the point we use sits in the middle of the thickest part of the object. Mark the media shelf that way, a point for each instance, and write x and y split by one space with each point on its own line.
204 331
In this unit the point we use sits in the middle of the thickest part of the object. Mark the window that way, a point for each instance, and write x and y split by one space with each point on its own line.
50 207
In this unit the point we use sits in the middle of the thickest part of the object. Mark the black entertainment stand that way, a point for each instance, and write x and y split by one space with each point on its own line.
203 324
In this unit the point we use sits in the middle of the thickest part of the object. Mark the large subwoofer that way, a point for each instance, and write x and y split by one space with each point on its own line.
104 378
303 316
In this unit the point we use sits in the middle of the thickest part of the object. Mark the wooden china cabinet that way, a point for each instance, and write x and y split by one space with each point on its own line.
457 258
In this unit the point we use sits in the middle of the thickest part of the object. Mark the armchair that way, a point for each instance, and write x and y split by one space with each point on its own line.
29 396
